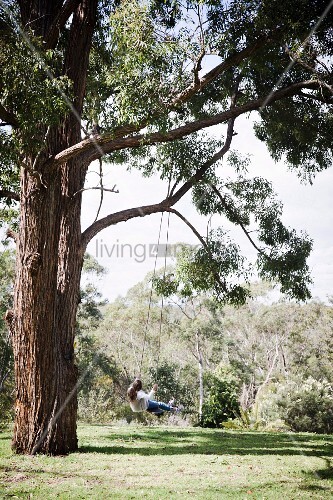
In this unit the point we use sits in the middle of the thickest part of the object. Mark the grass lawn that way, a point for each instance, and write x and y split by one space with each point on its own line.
165 462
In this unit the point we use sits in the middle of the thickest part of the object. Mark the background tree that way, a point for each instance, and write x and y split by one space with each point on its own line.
198 325
134 69
144 339
6 352
98 373
269 346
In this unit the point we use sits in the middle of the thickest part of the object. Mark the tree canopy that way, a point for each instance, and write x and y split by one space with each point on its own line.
152 104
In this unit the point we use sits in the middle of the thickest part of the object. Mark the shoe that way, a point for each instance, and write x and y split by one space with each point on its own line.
177 409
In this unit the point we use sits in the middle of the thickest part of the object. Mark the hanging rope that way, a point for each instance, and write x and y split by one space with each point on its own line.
151 290
162 301
150 299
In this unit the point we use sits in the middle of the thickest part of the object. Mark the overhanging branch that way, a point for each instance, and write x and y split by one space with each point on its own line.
123 216
107 144
194 88
164 205
197 234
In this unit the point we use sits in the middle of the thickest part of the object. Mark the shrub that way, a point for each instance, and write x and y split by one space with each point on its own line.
221 403
307 406
174 382
7 385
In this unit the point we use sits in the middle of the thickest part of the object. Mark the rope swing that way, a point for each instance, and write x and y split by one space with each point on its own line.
151 293
151 297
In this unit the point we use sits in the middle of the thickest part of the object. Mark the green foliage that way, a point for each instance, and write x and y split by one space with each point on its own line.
292 128
31 90
89 310
173 383
286 264
9 179
98 372
301 335
141 52
221 402
299 143
91 266
213 269
6 353
283 255
307 406
177 160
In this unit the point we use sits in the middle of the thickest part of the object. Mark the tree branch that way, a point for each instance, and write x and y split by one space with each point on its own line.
202 241
123 216
7 116
4 193
198 176
59 22
107 143
101 188
171 301
112 190
313 97
297 59
232 60
239 222
194 88
197 234
164 205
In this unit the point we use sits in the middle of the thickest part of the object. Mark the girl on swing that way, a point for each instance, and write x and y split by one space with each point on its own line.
141 401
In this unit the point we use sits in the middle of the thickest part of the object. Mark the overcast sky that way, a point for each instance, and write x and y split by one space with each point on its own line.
124 249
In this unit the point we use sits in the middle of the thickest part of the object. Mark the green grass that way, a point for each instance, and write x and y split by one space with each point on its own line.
163 462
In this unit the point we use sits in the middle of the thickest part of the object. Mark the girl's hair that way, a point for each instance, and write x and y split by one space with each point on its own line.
133 389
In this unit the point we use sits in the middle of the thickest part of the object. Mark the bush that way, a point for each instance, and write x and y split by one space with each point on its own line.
7 384
174 382
307 406
222 400
97 404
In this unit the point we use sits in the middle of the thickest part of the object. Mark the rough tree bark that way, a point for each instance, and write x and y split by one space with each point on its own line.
49 262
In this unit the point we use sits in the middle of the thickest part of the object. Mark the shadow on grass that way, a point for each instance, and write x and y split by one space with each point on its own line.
167 442
326 473
313 487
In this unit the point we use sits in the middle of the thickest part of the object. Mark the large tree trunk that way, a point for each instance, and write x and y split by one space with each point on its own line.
49 261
